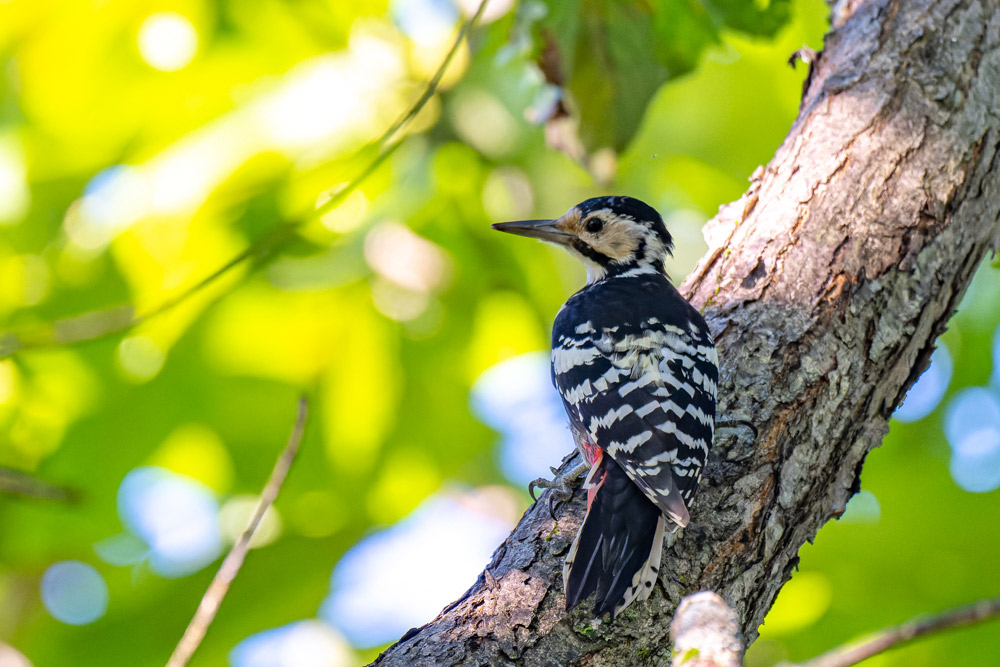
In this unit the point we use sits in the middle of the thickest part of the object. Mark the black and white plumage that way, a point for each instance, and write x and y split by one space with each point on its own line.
637 370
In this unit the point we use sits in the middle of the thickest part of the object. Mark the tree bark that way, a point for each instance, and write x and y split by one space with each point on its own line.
826 286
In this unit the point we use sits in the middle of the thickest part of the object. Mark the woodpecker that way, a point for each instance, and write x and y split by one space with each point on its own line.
637 370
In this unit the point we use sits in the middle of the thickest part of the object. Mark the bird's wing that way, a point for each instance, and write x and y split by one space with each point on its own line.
645 395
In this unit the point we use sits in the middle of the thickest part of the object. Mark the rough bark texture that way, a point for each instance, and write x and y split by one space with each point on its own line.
826 286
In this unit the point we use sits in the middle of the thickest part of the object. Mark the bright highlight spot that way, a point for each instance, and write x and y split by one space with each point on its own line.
802 602
139 358
324 106
863 507
235 516
485 123
11 657
312 106
408 268
167 41
516 397
15 198
970 410
348 215
406 259
196 451
112 201
425 21
336 98
929 389
9 381
304 644
116 197
507 194
494 9
74 592
972 426
975 461
396 302
175 516
184 175
402 577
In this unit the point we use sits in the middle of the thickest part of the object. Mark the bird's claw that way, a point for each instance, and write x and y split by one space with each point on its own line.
560 489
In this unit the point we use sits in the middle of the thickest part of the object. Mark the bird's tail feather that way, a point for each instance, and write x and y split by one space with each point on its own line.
617 551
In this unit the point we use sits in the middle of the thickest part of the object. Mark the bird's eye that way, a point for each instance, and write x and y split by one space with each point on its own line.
594 225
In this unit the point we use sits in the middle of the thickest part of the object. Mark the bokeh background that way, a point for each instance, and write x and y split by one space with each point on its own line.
144 144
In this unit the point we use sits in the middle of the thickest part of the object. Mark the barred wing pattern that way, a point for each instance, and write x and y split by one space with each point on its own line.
637 370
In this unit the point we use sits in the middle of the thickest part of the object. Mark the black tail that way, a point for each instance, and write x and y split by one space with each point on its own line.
617 551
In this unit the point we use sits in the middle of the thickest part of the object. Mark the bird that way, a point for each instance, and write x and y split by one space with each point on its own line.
637 370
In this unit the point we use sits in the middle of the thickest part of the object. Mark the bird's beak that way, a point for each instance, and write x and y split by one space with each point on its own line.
543 230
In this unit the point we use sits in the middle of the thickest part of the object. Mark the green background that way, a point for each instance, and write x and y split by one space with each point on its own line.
678 101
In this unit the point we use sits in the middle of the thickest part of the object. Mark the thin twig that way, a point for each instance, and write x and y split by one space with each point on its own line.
852 654
18 483
230 567
98 324
410 114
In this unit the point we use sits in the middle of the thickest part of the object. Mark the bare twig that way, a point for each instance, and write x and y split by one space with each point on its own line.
412 112
117 319
18 483
852 654
706 633
230 567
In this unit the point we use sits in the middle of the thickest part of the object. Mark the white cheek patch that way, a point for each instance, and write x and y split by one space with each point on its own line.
619 240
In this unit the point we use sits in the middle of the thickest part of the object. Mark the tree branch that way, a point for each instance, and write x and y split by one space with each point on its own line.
826 286
706 633
230 567
881 641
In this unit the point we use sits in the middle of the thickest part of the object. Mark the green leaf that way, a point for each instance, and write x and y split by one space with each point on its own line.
684 28
759 17
615 76
612 56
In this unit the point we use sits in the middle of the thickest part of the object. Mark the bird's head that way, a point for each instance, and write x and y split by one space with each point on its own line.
610 235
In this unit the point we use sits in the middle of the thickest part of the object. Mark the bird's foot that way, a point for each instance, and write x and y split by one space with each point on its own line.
560 488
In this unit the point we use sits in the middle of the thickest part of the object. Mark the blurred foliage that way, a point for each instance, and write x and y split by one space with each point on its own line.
143 145
600 52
